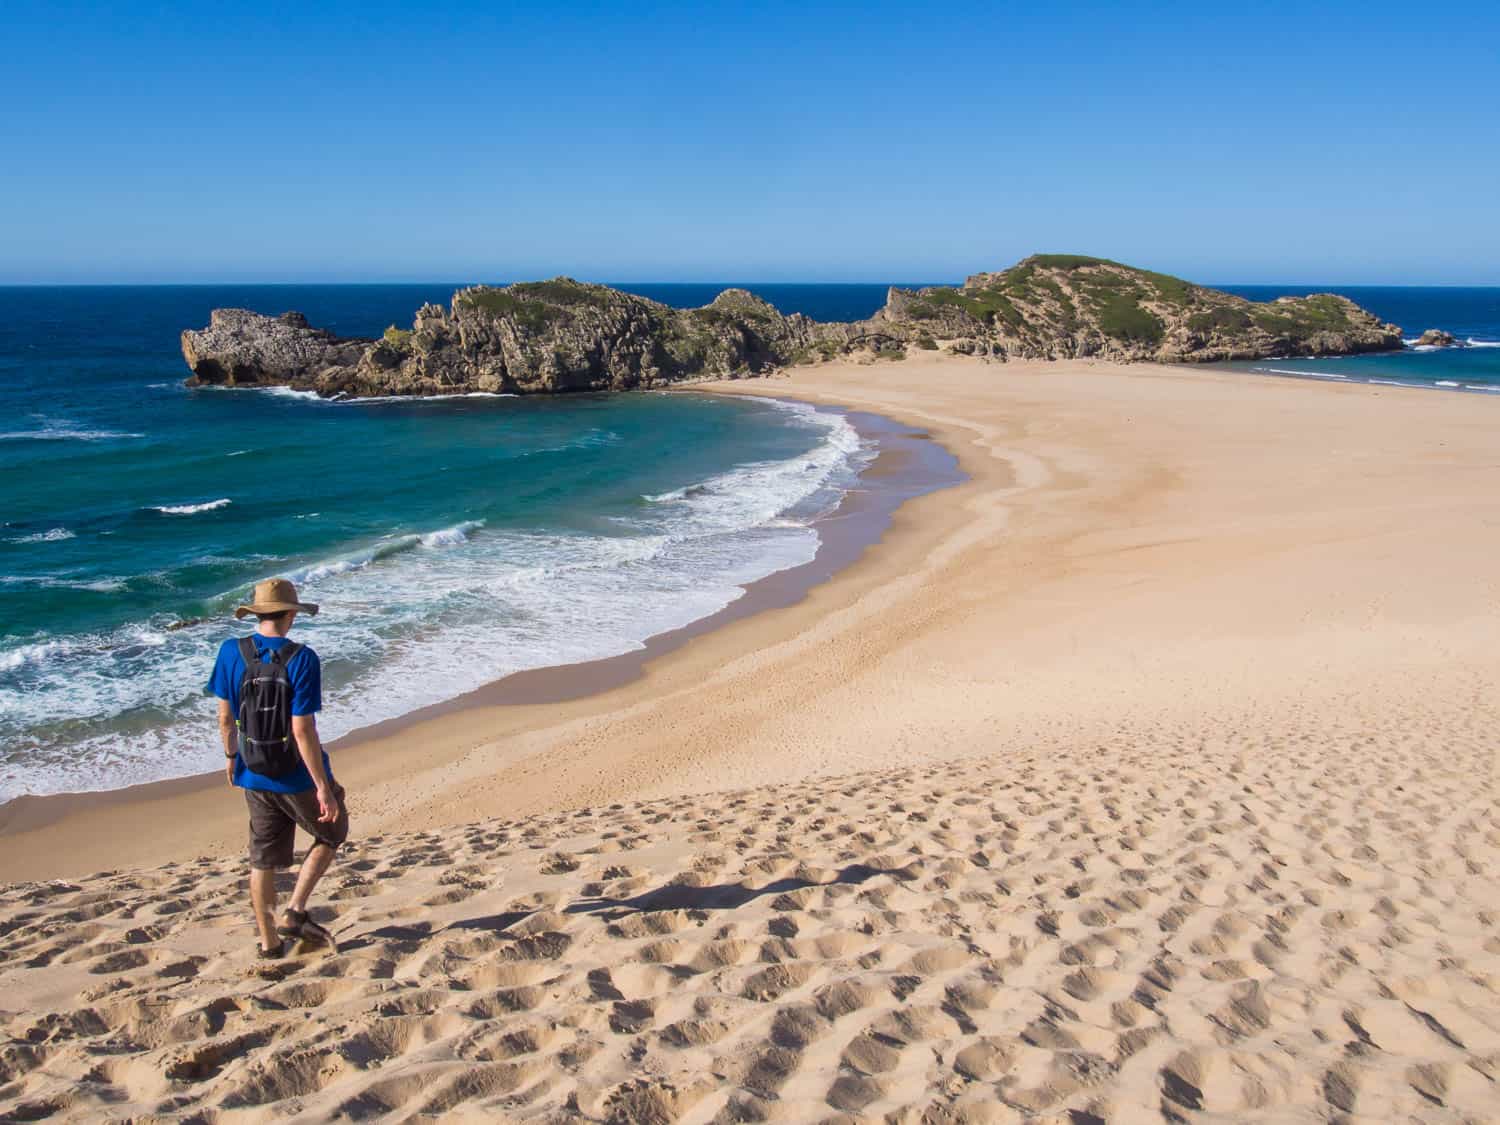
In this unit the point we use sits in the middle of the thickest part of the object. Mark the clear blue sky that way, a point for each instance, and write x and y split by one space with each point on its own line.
1332 142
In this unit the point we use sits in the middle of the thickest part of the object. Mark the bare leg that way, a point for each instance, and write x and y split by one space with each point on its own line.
319 856
263 899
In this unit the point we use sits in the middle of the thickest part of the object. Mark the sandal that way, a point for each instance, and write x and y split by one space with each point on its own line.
275 953
292 922
296 924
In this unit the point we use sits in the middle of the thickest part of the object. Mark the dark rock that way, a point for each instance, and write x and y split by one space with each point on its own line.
1437 338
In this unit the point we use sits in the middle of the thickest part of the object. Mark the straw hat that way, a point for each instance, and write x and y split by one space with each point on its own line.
274 595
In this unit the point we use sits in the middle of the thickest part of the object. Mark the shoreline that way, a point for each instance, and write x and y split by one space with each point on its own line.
461 763
1149 772
906 465
1229 367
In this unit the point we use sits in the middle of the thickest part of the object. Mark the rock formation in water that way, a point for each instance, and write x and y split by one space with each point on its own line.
565 335
1437 338
244 348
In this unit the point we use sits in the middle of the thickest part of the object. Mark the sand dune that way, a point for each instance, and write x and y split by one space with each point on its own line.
1235 931
1149 775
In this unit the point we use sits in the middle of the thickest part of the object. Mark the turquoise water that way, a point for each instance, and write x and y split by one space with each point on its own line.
450 541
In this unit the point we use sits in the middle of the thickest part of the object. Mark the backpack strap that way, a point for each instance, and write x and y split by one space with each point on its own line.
283 655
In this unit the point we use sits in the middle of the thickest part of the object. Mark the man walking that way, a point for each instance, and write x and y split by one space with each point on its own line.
270 690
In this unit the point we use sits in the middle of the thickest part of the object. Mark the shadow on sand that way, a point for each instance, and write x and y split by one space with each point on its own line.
725 896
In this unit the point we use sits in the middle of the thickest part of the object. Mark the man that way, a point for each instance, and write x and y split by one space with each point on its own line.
268 721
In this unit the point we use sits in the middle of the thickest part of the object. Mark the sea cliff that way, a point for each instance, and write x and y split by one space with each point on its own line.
565 335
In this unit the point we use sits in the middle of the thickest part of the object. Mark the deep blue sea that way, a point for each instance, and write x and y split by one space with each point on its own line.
450 541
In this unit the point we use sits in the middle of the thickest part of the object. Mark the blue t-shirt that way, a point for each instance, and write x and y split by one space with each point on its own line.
306 673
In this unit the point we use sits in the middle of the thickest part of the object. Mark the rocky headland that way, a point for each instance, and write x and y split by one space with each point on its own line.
565 335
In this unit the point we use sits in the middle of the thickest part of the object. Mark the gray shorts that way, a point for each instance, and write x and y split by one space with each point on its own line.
275 817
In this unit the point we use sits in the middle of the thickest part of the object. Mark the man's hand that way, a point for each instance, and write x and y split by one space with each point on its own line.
305 731
328 805
229 771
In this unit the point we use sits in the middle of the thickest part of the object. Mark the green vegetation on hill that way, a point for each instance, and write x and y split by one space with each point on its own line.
563 291
1123 318
1062 261
1220 318
537 304
984 305
1101 273
501 302
1075 304
1321 312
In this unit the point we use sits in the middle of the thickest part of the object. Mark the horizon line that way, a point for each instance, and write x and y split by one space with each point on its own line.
731 282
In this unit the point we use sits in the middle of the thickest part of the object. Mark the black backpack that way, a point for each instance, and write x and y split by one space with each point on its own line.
265 719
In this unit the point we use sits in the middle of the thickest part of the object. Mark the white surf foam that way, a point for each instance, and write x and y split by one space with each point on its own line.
289 392
357 560
54 535
14 658
751 495
366 400
1292 371
451 536
67 434
54 582
192 509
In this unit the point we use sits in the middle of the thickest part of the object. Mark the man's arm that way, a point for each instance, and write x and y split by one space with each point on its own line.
230 737
305 731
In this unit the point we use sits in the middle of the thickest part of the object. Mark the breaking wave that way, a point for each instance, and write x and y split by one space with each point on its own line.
54 535
192 509
63 433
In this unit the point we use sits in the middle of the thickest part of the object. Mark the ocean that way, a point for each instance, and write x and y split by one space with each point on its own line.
452 541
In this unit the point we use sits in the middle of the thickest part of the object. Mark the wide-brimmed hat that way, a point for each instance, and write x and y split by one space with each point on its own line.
274 595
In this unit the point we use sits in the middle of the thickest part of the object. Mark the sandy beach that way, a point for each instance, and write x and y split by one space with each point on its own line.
1149 772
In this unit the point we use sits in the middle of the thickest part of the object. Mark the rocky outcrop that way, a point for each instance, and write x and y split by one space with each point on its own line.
1063 306
534 337
565 335
1437 338
240 348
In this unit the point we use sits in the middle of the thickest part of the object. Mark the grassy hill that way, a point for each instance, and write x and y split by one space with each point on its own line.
1065 305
